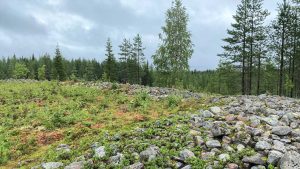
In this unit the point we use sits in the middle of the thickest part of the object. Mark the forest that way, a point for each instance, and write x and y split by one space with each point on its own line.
258 56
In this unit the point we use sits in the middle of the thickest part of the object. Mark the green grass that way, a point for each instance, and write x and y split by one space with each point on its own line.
37 116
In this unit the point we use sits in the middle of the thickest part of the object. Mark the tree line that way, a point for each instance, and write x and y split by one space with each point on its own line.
258 57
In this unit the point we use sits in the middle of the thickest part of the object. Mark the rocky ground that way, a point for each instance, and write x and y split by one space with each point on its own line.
233 132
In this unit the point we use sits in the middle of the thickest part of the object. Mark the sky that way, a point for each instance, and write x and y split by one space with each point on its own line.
81 27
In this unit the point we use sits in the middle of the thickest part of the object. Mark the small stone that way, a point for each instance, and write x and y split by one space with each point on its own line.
271 120
187 167
206 114
224 157
138 165
99 152
220 128
215 110
258 167
117 159
281 130
52 165
75 165
274 157
186 154
199 140
232 166
149 154
255 159
240 147
262 145
213 144
207 155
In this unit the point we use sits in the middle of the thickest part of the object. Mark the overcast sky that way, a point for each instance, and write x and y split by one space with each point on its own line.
81 27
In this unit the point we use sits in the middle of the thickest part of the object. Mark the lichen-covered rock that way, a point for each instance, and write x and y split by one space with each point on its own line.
274 157
281 130
150 153
135 166
262 145
186 154
99 152
213 144
290 160
75 165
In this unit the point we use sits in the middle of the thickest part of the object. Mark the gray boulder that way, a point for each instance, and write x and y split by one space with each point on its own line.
262 145
99 152
290 160
117 159
274 157
281 130
186 154
149 154
213 144
135 166
255 159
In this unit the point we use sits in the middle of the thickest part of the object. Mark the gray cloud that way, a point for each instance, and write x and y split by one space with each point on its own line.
82 27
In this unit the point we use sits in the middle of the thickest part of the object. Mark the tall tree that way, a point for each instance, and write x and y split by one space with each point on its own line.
280 40
110 63
125 54
176 48
138 52
59 72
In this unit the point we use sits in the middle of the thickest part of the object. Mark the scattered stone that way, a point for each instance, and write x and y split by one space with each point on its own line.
224 157
207 114
262 145
138 165
99 152
240 147
149 154
213 144
279 146
255 159
75 165
220 128
186 154
215 110
117 159
52 165
232 166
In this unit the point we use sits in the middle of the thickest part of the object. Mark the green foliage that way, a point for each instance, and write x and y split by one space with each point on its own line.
20 71
42 73
171 58
59 72
173 101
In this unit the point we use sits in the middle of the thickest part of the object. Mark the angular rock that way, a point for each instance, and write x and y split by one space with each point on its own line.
220 128
117 159
274 157
279 146
186 154
262 145
290 160
215 110
255 159
206 114
281 130
99 152
149 154
232 166
213 144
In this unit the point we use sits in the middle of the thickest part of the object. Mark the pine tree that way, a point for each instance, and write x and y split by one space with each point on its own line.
59 72
280 41
110 63
171 58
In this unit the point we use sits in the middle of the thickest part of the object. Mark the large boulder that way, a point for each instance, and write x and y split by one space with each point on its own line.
186 154
290 160
257 159
281 130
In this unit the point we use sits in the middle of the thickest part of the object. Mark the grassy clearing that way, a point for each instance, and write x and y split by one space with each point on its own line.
36 117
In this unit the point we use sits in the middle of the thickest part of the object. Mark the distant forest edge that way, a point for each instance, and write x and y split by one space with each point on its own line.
258 57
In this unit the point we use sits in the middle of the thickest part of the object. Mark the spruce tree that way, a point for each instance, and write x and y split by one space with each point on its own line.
176 48
59 72
125 54
110 63
138 52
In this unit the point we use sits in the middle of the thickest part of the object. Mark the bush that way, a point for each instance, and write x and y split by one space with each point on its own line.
173 101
